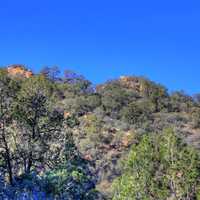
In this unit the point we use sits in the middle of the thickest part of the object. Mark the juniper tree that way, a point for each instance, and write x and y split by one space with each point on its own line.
38 122
8 89
159 167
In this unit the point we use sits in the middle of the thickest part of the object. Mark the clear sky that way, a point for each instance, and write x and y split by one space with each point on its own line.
103 39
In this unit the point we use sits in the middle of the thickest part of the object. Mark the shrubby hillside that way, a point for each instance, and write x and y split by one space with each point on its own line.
61 137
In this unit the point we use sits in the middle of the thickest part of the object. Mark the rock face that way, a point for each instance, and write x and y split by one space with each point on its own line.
131 83
19 70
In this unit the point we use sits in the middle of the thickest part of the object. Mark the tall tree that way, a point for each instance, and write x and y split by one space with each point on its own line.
51 73
38 121
8 89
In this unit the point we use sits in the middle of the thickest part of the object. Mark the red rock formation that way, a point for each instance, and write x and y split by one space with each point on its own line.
19 70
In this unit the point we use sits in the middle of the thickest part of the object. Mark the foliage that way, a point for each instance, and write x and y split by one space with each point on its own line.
38 123
137 112
159 167
114 97
156 93
77 83
181 102
61 138
195 115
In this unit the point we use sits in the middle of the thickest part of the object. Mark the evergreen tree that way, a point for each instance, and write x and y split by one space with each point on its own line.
159 167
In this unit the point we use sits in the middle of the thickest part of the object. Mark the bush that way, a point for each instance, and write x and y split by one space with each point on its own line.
115 97
159 167
181 102
196 118
137 112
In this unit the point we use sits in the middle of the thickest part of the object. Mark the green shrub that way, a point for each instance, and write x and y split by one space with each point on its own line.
137 112
159 167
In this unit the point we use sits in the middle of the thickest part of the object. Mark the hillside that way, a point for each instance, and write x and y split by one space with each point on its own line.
63 138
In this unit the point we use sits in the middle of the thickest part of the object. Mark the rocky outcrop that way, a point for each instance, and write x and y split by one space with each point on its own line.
131 83
19 70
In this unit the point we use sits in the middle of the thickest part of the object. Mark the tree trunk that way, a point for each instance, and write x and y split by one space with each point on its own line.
7 155
30 157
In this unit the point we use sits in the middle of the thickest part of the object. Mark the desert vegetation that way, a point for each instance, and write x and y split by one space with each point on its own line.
61 137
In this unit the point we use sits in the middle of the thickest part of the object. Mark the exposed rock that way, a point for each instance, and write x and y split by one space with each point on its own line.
19 70
67 114
131 83
128 139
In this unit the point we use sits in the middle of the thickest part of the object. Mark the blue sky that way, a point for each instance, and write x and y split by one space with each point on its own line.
103 39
